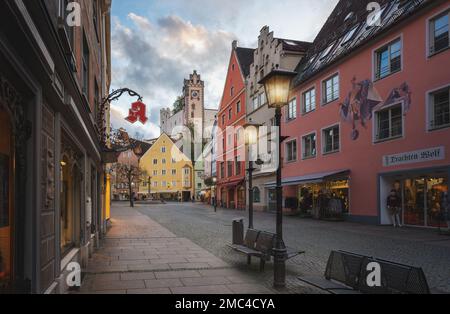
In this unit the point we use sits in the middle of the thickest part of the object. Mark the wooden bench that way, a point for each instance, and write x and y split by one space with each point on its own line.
260 244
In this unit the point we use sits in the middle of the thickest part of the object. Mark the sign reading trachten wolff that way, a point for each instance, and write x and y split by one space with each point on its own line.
437 153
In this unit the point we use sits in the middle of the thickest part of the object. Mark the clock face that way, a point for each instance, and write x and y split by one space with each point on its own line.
194 93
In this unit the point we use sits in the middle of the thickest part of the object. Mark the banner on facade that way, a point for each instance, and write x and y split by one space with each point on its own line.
431 154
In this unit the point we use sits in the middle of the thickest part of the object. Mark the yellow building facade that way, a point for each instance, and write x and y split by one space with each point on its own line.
169 171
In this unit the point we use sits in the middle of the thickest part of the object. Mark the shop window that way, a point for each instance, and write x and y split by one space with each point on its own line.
331 141
292 110
439 33
70 204
389 123
439 111
256 195
291 151
330 89
388 59
309 101
309 146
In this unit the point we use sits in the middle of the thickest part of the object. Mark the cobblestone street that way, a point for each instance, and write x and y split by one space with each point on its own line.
139 256
212 231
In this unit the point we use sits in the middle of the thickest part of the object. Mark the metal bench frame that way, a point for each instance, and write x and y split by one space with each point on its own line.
260 244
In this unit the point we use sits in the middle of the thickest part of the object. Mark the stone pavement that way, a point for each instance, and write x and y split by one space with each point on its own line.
139 256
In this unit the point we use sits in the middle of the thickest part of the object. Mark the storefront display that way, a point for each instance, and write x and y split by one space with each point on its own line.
325 200
423 200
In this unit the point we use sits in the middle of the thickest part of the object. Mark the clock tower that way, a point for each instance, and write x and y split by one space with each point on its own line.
194 91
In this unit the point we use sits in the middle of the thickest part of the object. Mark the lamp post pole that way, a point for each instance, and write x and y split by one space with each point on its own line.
149 187
280 249
250 194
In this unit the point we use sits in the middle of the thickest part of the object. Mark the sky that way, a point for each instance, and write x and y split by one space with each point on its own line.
156 44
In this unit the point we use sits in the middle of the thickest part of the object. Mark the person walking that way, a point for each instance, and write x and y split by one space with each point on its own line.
394 208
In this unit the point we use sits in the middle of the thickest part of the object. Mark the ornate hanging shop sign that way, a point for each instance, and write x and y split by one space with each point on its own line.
137 113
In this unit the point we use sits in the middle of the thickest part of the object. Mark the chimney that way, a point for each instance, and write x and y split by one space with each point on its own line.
234 44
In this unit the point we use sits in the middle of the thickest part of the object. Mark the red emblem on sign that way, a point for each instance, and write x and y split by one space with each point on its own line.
137 113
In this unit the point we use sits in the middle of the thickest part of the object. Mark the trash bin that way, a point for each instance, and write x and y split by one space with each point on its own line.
238 231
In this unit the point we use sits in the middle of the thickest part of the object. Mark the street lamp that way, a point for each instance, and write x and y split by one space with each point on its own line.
277 86
251 139
214 180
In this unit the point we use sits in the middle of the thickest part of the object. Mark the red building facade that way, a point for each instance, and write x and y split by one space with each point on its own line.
231 118
372 115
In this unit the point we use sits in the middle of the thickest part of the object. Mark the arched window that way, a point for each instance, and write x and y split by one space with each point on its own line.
256 195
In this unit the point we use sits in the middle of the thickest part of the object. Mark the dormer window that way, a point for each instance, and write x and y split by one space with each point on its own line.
349 36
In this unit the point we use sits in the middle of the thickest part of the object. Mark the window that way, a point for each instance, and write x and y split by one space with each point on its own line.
187 171
164 184
155 173
163 172
85 66
330 89
230 168
255 103
223 119
388 59
232 91
389 123
163 149
309 101
261 99
291 151
174 161
174 184
163 161
292 109
331 142
230 113
65 15
95 16
222 170
174 172
439 30
155 161
309 146
256 195
237 164
155 184
440 109
238 107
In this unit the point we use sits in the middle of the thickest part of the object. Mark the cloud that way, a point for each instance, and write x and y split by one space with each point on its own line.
154 52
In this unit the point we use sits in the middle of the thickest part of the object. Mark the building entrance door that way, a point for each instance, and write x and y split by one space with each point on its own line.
6 202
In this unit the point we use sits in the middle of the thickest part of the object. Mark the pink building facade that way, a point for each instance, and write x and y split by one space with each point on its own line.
372 116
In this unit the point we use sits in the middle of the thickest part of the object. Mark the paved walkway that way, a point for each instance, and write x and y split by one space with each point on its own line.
139 256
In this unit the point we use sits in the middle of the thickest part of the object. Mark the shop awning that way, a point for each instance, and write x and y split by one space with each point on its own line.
231 183
312 178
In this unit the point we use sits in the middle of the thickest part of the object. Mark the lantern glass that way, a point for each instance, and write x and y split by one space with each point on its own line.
277 85
251 135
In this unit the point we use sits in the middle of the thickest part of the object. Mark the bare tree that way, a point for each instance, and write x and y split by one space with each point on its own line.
130 174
